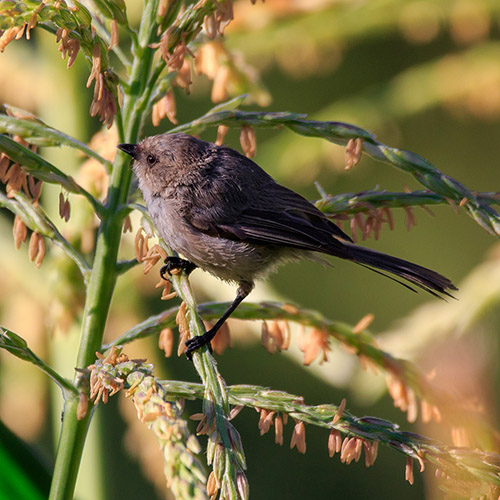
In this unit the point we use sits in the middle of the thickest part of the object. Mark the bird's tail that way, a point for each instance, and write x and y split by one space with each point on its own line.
424 278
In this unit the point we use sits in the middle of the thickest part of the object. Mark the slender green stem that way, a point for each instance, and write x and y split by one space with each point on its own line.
125 265
36 219
160 66
134 106
350 203
64 384
133 38
215 401
471 464
119 125
18 347
135 118
164 85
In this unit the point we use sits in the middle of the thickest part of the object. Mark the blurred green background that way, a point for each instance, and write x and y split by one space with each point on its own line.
421 75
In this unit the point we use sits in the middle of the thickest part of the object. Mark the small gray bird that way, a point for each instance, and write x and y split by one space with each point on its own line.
227 216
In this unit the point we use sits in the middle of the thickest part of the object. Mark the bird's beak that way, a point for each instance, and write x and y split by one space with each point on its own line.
130 149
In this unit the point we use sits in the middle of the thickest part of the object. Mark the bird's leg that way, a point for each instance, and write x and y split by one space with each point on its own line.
200 340
174 265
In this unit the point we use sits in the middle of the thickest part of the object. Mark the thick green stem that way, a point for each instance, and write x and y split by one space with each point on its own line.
104 271
99 294
70 451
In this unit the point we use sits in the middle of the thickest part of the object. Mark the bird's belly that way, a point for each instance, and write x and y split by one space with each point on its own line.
228 260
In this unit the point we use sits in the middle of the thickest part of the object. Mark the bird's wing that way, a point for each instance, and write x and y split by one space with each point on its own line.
274 215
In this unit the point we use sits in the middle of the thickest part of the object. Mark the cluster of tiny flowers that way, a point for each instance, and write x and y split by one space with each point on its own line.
17 31
164 107
69 46
173 51
371 224
228 463
350 448
313 342
406 400
275 335
15 180
404 396
353 152
103 103
184 472
267 418
13 33
214 61
150 257
106 375
74 33
227 70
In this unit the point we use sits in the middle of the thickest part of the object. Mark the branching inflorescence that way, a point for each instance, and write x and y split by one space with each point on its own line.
172 42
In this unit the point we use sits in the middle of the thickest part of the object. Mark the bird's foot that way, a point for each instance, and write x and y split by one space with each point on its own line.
174 265
197 342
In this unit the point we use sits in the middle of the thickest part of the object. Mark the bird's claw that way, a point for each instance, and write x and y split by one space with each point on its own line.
174 265
197 342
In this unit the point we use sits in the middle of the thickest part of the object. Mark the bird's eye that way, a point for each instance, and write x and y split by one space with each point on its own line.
151 159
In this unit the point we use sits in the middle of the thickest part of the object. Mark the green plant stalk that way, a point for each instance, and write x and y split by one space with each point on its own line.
103 275
215 392
352 203
99 293
473 463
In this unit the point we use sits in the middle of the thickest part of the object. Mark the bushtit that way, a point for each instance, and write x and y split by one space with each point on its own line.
226 215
